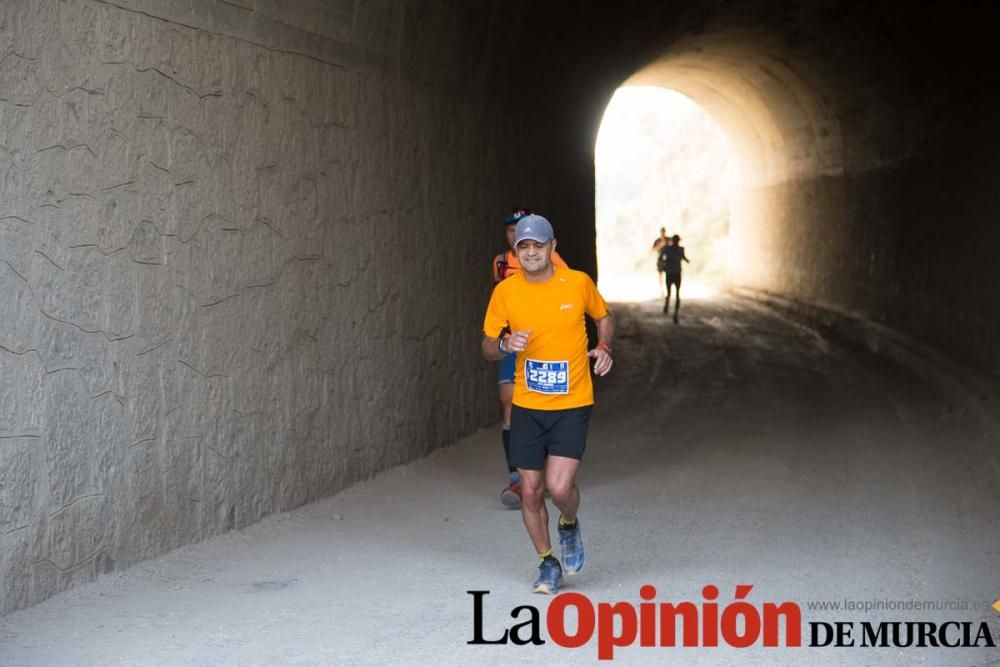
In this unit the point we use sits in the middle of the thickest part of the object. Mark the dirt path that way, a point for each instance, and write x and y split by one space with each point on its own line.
736 448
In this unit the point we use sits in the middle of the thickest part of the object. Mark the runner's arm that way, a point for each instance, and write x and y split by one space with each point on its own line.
497 268
605 329
491 348
602 353
494 323
515 342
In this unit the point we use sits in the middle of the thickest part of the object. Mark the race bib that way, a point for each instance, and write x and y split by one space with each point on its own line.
546 377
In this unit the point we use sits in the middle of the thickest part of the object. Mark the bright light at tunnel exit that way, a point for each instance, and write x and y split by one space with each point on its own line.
660 161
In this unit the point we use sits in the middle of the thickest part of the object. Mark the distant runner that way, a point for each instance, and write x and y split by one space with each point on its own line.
673 254
661 242
544 307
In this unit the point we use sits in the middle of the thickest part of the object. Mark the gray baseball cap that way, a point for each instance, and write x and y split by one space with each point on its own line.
534 228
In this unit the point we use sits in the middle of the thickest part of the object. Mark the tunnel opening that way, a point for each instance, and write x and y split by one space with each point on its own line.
774 109
663 166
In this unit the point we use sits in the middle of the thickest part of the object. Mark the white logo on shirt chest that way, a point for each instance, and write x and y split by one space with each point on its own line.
565 306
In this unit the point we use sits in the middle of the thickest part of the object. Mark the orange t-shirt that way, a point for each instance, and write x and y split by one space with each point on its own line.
553 373
507 264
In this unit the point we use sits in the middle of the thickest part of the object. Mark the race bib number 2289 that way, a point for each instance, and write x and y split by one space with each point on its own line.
547 377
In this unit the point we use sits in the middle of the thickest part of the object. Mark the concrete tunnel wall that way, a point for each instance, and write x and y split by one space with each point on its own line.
242 245
243 261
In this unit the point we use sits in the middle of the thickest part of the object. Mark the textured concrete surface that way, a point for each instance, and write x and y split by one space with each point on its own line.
212 305
738 447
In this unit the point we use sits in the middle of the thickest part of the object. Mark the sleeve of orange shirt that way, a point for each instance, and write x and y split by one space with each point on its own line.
496 315
593 302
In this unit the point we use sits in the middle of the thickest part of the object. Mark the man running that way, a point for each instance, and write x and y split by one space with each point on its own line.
544 307
505 265
673 254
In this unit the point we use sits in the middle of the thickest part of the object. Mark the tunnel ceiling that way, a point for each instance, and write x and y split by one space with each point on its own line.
803 89
776 114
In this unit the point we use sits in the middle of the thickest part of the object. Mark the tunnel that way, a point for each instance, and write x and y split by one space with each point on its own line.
244 250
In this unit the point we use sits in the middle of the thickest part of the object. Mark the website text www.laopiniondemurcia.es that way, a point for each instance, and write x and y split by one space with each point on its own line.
572 620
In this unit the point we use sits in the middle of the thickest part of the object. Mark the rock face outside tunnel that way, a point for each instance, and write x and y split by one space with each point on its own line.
243 246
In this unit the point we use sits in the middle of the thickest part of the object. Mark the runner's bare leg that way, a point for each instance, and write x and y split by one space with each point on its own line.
559 476
560 480
533 510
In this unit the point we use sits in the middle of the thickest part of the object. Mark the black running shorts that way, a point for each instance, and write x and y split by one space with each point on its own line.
536 434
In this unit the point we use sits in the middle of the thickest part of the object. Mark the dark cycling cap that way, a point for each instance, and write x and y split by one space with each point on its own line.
517 214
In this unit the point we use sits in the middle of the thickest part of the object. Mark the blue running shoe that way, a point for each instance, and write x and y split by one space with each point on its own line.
549 577
571 544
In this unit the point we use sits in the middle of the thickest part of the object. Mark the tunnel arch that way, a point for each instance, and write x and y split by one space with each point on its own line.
821 103
807 90
777 107
774 112
866 136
